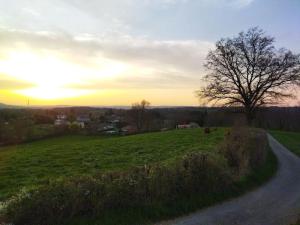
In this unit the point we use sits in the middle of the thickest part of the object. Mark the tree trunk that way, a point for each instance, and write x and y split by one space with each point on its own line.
249 115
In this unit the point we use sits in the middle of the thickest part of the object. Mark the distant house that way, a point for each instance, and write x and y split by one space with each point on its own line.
101 127
114 131
194 125
79 124
61 120
107 128
115 121
129 129
113 118
187 126
61 117
183 126
82 120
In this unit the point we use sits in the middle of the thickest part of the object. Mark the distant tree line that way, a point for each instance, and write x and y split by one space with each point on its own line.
19 125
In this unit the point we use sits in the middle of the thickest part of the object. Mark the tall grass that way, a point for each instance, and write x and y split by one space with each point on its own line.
196 174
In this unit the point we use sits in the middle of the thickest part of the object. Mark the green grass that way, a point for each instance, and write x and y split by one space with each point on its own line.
291 140
34 163
42 130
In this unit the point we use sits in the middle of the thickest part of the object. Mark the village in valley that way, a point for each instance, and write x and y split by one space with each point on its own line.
113 124
28 124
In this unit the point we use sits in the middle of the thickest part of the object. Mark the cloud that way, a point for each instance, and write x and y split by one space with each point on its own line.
149 63
241 3
237 4
30 12
10 84
182 54
157 80
185 55
166 2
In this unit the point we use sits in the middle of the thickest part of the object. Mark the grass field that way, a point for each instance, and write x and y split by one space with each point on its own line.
150 215
291 140
31 164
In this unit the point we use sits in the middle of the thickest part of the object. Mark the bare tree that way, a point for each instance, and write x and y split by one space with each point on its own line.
248 70
138 114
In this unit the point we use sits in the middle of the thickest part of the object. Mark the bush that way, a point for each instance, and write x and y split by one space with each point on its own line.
197 173
245 149
138 187
206 130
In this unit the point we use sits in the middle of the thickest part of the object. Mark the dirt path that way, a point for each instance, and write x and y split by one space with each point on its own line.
275 203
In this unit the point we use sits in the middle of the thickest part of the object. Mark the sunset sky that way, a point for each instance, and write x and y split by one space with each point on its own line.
116 52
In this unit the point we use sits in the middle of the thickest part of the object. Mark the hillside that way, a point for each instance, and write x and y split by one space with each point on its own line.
33 163
4 106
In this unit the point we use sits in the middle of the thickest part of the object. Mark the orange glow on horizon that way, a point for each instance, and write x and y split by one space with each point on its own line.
51 77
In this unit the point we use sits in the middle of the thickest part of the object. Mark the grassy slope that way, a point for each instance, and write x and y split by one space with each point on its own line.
148 216
289 139
34 163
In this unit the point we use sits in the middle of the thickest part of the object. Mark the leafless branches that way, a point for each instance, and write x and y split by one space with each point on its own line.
247 70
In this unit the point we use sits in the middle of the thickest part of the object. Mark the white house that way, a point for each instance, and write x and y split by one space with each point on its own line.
187 126
61 120
82 120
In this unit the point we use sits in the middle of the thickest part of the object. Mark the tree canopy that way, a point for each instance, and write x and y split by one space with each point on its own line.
249 71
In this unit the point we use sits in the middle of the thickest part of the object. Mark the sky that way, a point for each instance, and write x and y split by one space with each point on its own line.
117 52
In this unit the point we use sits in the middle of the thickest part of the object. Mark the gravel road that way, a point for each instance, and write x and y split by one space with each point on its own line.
275 203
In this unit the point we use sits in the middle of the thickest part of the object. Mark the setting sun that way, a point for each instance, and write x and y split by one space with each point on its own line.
51 77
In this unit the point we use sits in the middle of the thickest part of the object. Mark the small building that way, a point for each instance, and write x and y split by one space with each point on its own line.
102 127
79 124
107 128
129 129
187 126
112 131
61 120
61 117
82 121
83 118
183 126
194 125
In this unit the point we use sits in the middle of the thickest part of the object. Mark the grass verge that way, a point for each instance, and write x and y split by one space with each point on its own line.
291 140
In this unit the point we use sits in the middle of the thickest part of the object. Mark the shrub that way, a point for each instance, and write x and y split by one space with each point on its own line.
245 149
206 130
138 187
